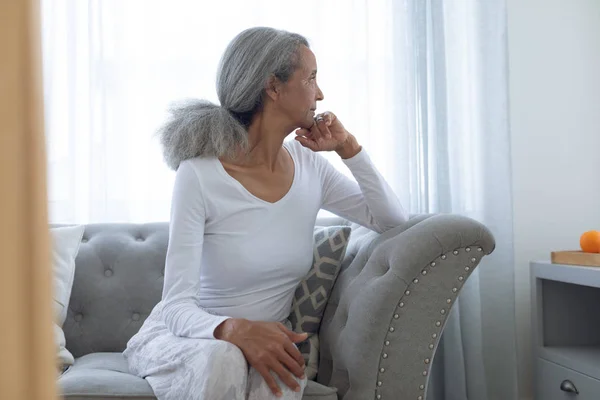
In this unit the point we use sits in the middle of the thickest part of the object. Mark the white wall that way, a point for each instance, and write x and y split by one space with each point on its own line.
554 68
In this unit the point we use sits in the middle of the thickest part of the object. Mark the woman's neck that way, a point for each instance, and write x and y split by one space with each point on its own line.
265 141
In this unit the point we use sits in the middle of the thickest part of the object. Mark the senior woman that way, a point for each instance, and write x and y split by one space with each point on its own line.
243 210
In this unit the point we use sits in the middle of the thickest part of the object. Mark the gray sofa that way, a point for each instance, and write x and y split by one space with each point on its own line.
379 332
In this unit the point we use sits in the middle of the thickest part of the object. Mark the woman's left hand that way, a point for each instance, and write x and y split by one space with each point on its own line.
326 134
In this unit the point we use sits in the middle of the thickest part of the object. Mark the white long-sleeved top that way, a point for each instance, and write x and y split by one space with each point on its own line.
233 255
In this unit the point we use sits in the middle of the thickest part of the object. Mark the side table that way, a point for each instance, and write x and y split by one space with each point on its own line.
565 315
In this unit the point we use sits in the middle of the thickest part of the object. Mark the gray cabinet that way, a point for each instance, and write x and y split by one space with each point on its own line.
566 331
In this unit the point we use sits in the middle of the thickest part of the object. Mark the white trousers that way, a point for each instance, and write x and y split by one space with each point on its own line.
197 369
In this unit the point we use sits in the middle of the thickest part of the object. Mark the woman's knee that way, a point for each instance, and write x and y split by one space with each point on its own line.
226 375
224 355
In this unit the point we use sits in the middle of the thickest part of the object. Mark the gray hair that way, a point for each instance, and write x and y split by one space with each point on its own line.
201 128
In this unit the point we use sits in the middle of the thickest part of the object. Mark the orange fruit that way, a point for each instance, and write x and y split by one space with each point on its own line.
590 242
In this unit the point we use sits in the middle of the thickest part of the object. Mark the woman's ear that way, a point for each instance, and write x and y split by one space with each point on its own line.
273 87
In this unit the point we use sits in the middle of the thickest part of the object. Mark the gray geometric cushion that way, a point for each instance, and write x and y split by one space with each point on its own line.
313 292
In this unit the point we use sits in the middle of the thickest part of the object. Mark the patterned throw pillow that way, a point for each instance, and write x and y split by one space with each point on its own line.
313 291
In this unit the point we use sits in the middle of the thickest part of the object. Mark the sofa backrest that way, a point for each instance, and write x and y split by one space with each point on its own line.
118 280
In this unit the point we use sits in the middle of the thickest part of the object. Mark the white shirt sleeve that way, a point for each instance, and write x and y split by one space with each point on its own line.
181 313
369 201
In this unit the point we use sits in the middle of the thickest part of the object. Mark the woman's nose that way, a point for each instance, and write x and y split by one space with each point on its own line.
320 95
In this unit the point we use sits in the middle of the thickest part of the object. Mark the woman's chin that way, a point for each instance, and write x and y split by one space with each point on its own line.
308 123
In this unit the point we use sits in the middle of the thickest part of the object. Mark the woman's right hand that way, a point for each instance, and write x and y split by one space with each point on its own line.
268 346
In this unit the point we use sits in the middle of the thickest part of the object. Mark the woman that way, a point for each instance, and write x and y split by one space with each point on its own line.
241 232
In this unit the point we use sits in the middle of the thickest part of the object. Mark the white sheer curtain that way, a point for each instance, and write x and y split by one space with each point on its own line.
453 124
421 83
112 67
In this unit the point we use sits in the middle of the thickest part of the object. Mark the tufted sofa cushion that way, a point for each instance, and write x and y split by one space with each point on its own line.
103 375
118 280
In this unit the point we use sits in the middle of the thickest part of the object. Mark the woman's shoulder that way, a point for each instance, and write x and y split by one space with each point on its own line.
204 168
204 176
197 163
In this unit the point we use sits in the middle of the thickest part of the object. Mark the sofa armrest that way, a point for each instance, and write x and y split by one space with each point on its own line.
383 325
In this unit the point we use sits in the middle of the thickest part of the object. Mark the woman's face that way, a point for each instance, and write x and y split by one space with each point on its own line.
299 95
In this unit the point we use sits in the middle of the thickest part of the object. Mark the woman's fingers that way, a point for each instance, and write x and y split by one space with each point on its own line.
303 132
263 370
316 131
306 133
328 117
308 143
269 349
285 375
293 359
322 124
290 347
291 365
